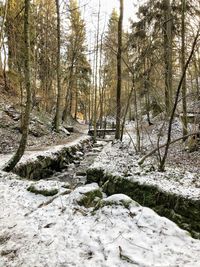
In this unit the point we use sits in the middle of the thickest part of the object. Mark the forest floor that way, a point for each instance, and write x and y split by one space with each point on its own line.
41 135
59 231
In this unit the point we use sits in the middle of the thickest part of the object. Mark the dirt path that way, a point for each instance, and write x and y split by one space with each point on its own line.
40 149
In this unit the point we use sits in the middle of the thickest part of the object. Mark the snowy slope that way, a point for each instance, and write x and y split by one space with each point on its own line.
64 234
120 159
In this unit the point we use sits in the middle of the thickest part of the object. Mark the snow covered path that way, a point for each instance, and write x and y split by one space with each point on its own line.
31 155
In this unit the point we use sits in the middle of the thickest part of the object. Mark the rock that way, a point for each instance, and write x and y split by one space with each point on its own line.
90 195
97 150
64 130
79 154
117 199
37 130
76 162
81 173
94 175
43 188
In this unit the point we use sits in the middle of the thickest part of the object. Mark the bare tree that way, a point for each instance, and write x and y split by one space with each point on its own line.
96 74
184 102
27 74
119 71
57 119
168 54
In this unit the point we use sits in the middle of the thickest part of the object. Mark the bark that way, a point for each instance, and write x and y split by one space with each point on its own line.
20 151
119 72
68 100
127 108
96 74
168 55
100 86
57 119
2 27
184 102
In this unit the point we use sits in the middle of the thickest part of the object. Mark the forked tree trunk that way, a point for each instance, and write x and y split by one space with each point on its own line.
20 151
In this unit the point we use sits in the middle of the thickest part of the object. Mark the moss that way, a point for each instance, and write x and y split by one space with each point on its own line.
183 211
90 198
44 192
44 166
94 175
104 202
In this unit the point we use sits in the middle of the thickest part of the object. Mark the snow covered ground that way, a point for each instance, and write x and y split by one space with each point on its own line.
64 234
120 159
56 231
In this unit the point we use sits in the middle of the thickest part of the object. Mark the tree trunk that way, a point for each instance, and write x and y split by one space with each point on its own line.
184 102
162 162
20 151
168 55
127 108
68 98
96 76
119 72
2 30
58 104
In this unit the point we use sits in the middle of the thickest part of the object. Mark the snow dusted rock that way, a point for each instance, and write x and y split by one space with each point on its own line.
79 154
95 175
46 188
89 195
65 131
117 199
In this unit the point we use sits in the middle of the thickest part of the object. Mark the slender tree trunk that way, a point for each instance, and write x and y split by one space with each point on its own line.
57 119
119 72
127 108
184 102
2 30
96 75
137 126
20 151
168 55
162 162
100 85
76 101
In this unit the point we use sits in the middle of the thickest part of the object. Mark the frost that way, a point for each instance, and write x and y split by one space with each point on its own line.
73 236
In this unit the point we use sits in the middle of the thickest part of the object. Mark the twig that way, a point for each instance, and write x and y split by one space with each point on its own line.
68 191
141 161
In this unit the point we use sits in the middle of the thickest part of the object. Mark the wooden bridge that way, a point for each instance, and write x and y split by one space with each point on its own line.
101 132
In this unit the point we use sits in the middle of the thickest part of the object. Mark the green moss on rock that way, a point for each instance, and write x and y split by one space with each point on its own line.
116 200
95 175
45 192
90 198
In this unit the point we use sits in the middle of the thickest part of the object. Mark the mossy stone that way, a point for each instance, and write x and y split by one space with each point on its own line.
44 192
90 198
